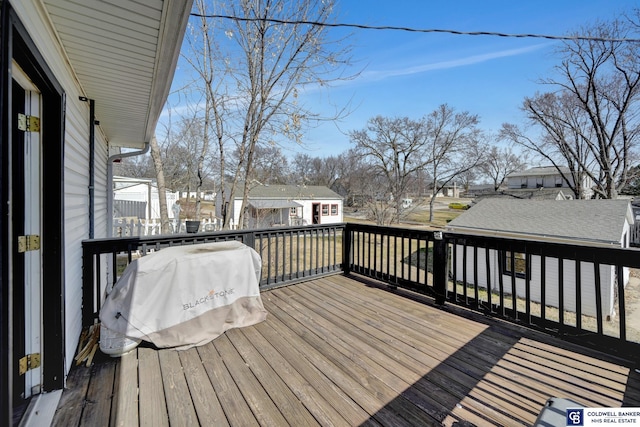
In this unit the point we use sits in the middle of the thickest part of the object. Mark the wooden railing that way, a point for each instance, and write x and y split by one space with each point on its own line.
585 294
288 255
582 293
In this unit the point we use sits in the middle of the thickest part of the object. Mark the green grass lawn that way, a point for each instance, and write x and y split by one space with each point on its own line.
440 217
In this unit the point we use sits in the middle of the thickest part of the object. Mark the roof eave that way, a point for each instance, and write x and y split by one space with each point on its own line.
123 56
167 58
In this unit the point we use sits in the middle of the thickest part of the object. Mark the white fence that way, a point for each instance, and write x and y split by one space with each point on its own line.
127 227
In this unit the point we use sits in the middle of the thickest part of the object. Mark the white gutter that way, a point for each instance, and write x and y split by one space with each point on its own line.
540 238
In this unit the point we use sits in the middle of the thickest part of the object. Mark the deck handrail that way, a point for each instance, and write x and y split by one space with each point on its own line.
289 254
572 290
575 291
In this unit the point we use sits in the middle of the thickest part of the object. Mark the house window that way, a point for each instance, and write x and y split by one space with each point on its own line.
334 209
293 211
558 181
519 266
325 210
539 182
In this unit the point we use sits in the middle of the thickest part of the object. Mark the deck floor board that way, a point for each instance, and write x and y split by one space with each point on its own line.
336 351
152 401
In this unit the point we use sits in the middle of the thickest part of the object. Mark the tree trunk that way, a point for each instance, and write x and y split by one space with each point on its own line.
162 190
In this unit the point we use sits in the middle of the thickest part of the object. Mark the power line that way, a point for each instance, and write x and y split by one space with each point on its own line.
415 30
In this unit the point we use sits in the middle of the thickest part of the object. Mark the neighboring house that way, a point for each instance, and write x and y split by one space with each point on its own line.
449 190
204 195
275 205
541 193
548 177
594 222
142 190
479 190
98 74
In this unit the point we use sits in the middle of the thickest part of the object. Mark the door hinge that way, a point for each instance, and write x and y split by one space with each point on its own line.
28 123
28 362
28 243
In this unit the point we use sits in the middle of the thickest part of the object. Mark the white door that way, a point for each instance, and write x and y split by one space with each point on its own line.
27 207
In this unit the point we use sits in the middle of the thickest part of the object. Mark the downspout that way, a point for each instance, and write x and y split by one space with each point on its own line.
92 163
92 167
110 161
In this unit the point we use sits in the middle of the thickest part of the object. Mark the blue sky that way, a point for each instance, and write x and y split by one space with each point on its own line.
411 74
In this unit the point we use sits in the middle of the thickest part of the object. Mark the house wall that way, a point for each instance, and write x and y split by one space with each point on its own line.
76 168
550 181
263 218
306 214
546 181
307 211
587 280
140 193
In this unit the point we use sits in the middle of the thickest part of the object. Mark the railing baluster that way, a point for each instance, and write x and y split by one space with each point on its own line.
561 293
598 294
578 294
454 266
476 292
501 261
527 284
543 287
464 274
388 258
487 260
621 303
514 289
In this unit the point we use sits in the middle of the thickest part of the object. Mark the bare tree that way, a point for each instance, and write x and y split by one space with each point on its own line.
592 121
454 147
301 167
135 167
162 190
500 162
559 146
253 74
317 170
201 55
396 148
443 143
187 158
270 165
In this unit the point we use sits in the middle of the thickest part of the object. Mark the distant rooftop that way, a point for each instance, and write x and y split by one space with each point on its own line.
599 221
293 192
539 171
553 193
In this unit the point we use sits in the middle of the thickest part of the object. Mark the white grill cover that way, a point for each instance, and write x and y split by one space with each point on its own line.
186 296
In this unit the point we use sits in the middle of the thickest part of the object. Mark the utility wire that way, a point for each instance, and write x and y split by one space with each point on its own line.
416 30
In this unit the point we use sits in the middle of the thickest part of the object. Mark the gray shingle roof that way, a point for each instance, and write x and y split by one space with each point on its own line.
302 192
539 171
586 220
528 193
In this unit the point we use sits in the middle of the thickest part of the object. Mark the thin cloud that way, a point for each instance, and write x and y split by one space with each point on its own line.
460 62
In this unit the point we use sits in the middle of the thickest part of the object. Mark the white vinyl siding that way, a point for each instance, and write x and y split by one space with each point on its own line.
607 275
76 170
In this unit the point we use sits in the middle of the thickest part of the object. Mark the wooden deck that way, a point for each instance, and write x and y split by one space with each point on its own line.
336 351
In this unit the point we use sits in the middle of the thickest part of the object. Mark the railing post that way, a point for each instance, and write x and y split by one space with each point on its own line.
88 286
346 249
440 263
249 239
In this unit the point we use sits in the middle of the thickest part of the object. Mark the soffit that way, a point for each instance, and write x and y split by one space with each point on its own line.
124 55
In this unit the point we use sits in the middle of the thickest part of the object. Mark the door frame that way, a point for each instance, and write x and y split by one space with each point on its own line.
16 44
316 213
